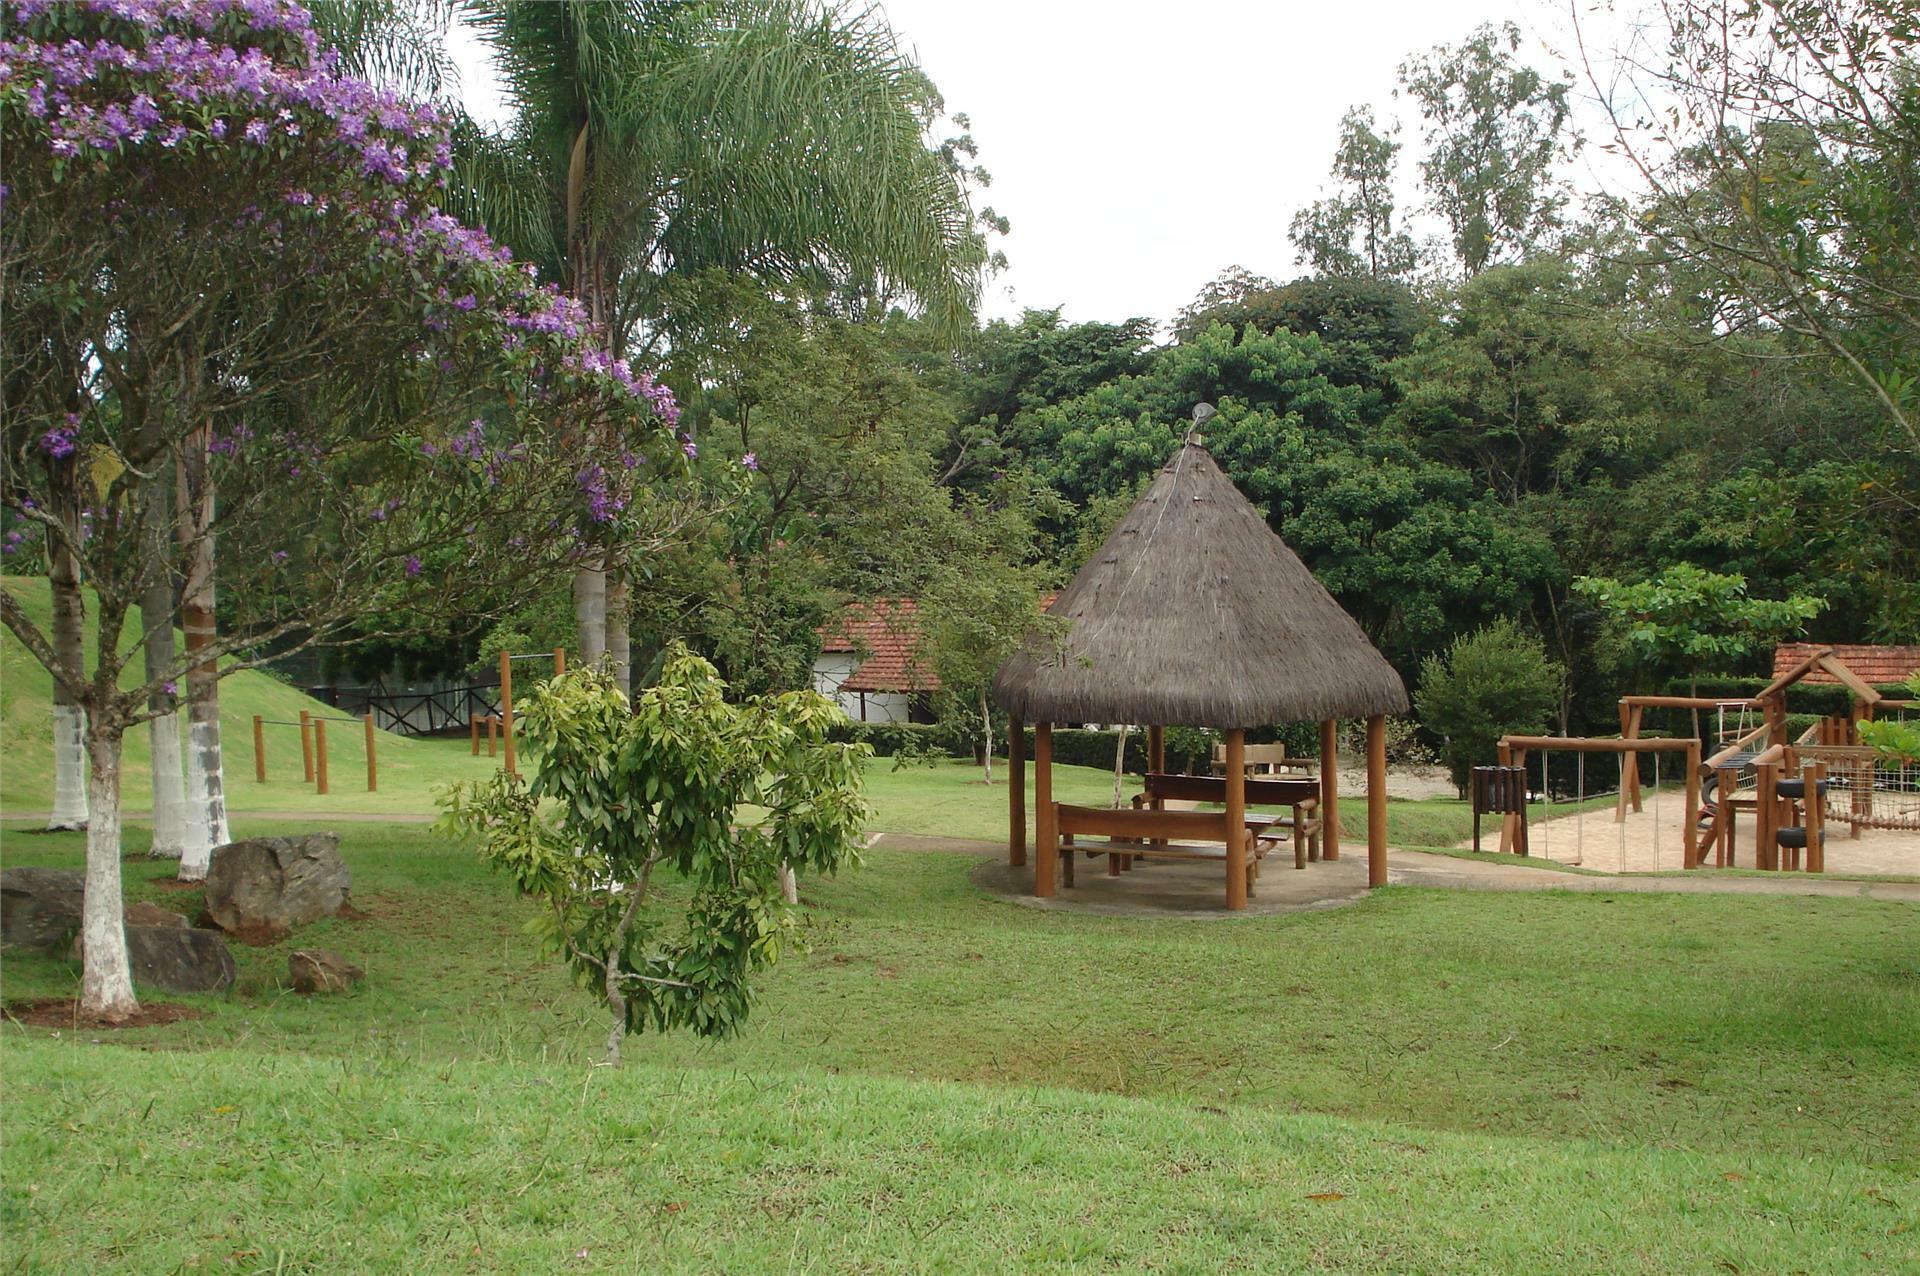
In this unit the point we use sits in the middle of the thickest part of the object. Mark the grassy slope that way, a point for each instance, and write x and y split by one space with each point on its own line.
1493 1082
240 1164
409 768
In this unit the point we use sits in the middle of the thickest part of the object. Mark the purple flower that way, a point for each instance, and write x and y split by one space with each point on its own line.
256 132
751 461
60 442
171 687
413 564
691 448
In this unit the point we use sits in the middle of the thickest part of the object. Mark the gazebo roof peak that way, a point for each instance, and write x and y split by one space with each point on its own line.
1194 612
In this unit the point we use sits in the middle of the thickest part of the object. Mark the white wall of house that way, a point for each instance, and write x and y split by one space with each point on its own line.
831 668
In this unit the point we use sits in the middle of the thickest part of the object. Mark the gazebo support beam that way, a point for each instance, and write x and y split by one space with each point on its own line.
1047 857
1236 819
1330 789
1377 800
1016 793
1156 748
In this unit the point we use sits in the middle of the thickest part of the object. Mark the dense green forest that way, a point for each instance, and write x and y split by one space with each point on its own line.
1451 433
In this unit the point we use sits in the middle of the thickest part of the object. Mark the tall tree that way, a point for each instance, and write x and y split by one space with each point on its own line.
1350 231
1495 130
216 241
781 138
1783 163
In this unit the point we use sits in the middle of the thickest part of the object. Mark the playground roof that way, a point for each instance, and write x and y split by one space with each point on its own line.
1196 613
1877 666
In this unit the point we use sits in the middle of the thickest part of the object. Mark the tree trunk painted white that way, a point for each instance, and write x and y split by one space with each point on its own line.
620 631
206 790
69 720
590 613
163 729
169 788
986 733
1120 769
789 884
106 978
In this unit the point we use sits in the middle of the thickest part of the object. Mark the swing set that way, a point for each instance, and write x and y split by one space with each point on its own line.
1515 832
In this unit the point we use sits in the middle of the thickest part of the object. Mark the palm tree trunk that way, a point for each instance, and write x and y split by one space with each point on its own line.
620 630
69 719
106 978
206 790
590 613
156 622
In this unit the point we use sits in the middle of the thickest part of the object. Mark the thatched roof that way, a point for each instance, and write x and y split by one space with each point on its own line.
1194 613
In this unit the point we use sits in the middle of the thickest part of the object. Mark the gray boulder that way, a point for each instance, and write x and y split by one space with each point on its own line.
176 959
317 970
39 907
259 889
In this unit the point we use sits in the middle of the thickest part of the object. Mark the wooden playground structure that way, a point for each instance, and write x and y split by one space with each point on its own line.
1793 788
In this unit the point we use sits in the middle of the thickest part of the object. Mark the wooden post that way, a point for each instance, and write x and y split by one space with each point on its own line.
1330 789
1047 841
1723 795
1236 819
320 754
1690 838
259 750
506 709
1156 748
493 733
1633 760
1503 754
1813 775
373 767
559 662
473 731
1377 800
1766 818
306 744
1016 793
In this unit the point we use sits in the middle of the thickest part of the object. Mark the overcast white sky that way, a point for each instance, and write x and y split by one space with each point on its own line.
1140 148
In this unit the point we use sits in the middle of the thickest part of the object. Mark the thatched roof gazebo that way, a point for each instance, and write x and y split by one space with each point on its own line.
1194 613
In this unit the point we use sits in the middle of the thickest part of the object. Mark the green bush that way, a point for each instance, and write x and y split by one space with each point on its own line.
913 739
1817 699
1493 682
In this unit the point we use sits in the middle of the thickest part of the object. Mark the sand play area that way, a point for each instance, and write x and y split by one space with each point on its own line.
1649 840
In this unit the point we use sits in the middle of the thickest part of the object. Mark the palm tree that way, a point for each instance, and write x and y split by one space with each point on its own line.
785 139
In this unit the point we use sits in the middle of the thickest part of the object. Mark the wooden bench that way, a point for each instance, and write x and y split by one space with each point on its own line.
1300 796
1135 834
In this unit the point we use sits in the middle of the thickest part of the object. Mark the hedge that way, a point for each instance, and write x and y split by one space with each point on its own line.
1816 698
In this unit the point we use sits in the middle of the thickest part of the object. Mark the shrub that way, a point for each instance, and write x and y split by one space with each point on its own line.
1493 682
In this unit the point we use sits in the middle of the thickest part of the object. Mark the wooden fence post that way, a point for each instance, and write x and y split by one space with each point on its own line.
259 750
320 754
506 708
559 662
373 768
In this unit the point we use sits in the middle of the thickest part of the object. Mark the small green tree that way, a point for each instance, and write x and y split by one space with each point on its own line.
618 793
1493 682
1691 621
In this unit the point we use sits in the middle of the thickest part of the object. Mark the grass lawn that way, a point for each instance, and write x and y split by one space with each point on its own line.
1425 1081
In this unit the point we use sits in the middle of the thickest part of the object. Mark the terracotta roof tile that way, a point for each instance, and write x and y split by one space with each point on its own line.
887 630
1877 666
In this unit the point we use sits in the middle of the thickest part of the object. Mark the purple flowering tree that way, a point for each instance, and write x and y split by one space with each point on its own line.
234 314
